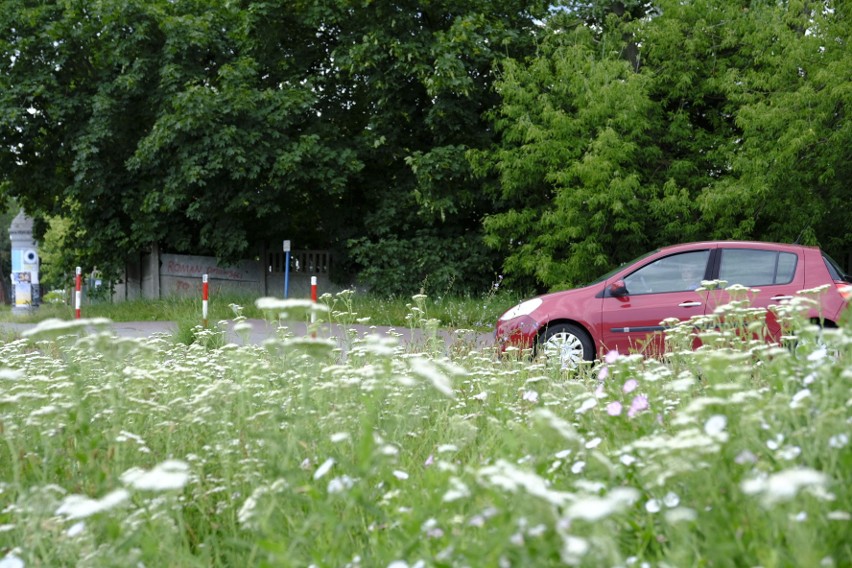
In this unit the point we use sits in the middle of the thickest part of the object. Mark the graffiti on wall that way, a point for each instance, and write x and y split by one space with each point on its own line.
190 267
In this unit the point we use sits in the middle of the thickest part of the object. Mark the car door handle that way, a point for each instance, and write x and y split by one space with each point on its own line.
779 298
689 304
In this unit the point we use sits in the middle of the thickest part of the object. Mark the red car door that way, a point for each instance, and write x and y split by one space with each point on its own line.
659 289
773 274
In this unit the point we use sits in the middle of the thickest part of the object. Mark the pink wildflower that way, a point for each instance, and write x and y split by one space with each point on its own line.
631 385
613 408
639 403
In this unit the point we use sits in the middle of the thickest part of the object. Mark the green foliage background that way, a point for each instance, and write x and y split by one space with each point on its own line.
696 120
432 144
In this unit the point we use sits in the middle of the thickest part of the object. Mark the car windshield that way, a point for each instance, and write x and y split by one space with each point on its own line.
600 279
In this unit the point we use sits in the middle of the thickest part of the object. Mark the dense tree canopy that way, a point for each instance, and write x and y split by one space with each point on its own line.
420 78
166 122
568 137
640 125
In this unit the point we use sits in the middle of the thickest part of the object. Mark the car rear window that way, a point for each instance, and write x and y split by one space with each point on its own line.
752 267
834 269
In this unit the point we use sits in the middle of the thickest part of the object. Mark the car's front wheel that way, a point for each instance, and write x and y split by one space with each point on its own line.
566 344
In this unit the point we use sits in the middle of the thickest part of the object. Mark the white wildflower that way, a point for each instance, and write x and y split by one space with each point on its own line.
745 457
289 304
458 490
562 426
573 549
680 385
797 399
428 370
246 513
170 474
593 487
399 474
388 450
838 441
653 506
506 476
242 326
11 561
324 468
627 459
671 499
595 508
784 485
431 529
587 405
680 514
80 507
380 345
341 484
818 355
789 453
11 374
54 326
715 427
530 396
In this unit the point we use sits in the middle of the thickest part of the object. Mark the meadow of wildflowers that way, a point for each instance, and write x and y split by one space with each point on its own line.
313 452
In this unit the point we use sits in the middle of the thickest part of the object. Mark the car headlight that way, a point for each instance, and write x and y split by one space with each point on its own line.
522 309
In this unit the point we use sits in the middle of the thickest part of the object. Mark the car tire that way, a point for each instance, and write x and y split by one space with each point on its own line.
565 344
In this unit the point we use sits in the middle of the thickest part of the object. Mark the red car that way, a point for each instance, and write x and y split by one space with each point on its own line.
623 309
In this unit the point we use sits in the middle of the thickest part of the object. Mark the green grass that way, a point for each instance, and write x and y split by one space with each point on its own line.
477 313
124 452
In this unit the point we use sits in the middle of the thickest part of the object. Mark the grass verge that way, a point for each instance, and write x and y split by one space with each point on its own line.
147 452
476 313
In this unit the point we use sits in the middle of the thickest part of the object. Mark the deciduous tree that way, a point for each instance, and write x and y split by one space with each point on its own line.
730 121
188 124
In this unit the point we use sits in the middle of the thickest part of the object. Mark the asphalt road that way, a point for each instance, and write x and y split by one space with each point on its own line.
261 330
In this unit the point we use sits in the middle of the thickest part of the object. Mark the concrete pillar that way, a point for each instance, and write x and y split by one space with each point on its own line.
26 291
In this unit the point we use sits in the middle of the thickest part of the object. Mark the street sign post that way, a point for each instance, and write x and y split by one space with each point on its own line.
286 269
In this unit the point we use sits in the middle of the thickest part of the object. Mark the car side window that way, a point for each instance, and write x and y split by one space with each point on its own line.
674 273
751 267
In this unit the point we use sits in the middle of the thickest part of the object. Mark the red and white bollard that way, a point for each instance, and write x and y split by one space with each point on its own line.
204 292
78 292
314 300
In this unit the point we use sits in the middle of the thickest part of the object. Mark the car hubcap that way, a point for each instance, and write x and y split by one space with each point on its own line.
566 348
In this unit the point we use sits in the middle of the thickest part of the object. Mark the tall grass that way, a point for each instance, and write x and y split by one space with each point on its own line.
468 312
119 452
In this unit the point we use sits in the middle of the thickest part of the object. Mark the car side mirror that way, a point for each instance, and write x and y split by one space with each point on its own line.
618 289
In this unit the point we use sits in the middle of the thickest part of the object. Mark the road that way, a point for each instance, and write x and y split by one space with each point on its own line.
261 330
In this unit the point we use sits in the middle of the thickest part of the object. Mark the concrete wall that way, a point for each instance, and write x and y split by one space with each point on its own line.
180 275
154 275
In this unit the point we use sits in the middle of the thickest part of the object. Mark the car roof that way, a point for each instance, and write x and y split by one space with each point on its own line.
733 243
